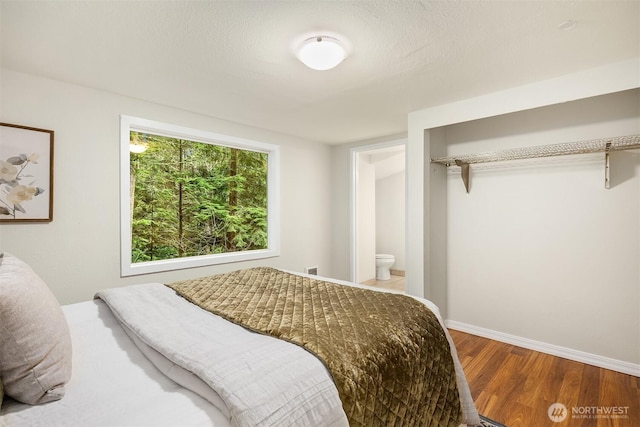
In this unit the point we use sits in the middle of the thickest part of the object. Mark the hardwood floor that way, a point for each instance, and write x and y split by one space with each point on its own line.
516 386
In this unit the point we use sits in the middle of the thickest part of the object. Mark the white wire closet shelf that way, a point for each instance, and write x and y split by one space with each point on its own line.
603 145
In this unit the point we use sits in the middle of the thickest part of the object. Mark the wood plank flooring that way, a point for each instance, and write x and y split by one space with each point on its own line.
516 386
395 283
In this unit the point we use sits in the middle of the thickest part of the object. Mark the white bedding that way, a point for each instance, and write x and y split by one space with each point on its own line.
263 381
114 384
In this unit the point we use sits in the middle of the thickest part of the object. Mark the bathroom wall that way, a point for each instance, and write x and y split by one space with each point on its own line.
390 218
366 220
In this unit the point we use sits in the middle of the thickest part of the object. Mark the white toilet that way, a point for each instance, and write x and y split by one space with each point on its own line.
383 263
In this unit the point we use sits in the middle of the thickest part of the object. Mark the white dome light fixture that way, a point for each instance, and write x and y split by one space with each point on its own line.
321 52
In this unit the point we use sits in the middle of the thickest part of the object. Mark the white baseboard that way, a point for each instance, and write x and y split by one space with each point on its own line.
552 349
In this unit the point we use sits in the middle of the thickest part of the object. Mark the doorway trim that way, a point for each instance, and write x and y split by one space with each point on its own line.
354 155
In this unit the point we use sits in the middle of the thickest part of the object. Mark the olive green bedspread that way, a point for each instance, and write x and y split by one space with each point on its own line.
387 353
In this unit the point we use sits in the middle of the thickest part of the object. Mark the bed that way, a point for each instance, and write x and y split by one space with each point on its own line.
216 373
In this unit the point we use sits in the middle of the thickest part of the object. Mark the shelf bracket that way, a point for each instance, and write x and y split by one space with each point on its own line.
607 166
464 172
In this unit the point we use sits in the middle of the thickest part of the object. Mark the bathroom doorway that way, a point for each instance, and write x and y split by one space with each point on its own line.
378 213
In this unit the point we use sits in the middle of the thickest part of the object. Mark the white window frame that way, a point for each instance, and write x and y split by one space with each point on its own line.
128 124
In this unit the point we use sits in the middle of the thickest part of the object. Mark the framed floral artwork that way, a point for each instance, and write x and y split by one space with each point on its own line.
26 174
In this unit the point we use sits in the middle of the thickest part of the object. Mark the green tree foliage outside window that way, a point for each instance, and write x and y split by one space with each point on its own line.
191 198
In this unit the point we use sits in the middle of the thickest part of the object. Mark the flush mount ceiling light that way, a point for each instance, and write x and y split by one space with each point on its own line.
321 52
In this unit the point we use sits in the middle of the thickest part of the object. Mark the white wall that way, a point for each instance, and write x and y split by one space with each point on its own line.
390 213
366 220
341 212
540 249
423 225
78 253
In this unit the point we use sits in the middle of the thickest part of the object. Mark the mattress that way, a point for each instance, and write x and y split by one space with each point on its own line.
113 384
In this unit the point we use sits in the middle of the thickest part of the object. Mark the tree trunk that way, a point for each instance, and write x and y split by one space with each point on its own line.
233 196
180 205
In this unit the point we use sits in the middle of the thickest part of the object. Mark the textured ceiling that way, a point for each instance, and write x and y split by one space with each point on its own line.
234 59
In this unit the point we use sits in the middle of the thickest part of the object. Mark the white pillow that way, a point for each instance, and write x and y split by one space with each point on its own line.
35 344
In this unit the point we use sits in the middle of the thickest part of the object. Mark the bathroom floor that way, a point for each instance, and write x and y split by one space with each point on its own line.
396 283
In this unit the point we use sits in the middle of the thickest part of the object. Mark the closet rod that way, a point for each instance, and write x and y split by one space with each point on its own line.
602 145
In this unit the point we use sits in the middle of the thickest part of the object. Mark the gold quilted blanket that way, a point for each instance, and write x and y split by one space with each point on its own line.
387 353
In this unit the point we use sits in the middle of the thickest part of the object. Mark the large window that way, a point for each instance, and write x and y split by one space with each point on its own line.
191 198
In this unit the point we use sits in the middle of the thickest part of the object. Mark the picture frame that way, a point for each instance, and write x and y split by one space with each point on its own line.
26 174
